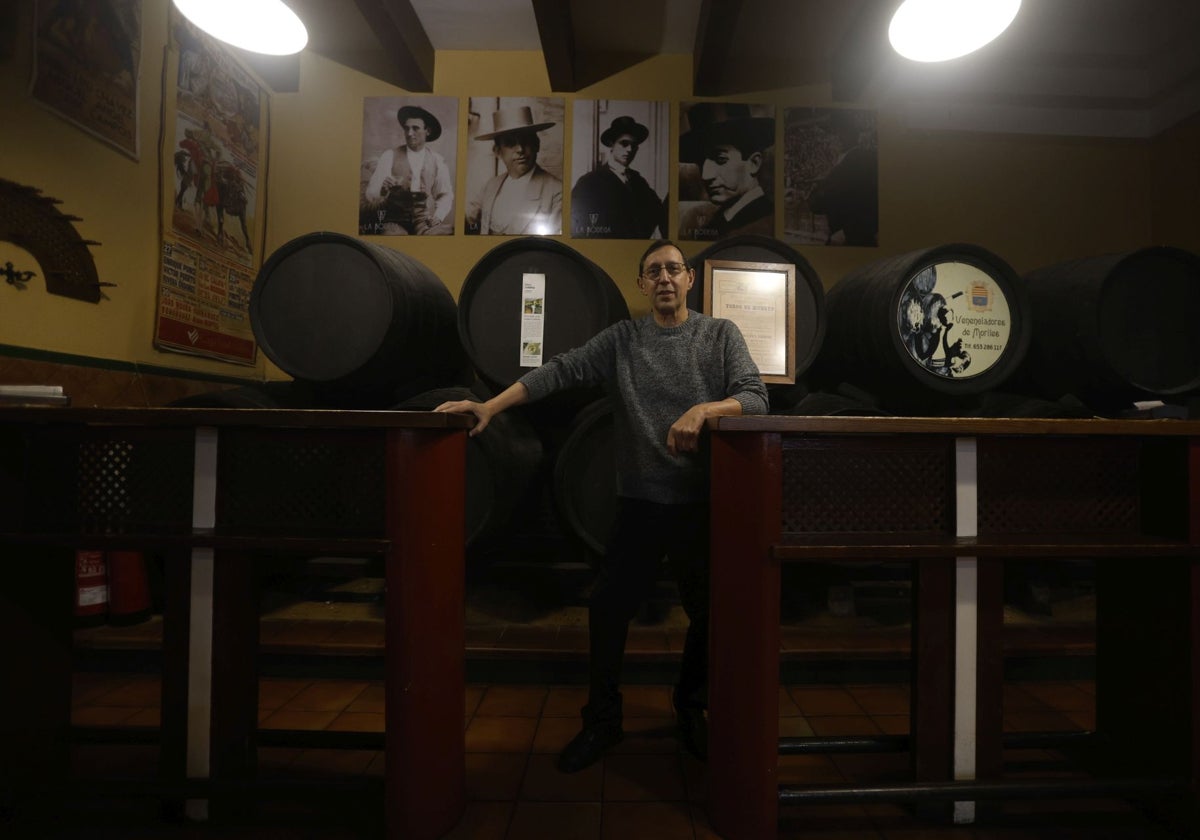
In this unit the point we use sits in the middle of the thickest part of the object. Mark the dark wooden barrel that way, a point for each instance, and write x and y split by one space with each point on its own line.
580 300
502 461
1115 328
832 404
276 394
585 478
359 321
810 293
949 320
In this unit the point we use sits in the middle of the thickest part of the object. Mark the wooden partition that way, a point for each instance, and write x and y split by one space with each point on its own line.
956 498
211 490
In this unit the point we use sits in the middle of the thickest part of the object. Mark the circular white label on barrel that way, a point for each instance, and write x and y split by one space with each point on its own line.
954 320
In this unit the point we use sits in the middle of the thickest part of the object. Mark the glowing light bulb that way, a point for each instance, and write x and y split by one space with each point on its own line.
939 30
261 26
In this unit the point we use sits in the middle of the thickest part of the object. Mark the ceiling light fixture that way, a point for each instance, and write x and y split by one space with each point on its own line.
939 30
261 26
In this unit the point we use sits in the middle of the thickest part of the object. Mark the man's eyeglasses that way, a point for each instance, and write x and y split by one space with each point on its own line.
673 270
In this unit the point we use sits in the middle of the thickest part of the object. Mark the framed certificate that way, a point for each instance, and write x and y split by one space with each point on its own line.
761 299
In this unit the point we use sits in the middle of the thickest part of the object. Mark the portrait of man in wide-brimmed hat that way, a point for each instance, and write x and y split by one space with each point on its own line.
725 170
613 199
521 197
408 188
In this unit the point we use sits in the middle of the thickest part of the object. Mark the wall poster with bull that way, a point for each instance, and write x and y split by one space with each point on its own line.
214 141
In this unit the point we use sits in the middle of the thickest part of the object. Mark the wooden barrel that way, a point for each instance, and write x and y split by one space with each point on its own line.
1115 328
832 404
356 320
501 463
809 304
528 300
585 478
949 320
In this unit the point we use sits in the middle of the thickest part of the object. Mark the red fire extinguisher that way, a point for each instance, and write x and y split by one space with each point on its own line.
128 588
91 587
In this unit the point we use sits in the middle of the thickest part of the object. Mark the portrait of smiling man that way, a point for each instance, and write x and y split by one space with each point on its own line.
725 157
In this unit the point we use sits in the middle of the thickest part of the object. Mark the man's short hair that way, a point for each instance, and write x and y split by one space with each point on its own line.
654 246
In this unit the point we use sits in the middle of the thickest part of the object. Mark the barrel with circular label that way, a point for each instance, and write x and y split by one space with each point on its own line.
528 300
355 319
948 320
1115 328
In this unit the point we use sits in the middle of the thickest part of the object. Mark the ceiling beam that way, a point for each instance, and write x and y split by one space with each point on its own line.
558 43
402 36
860 55
714 34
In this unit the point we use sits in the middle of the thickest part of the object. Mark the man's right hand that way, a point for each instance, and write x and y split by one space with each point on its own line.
483 415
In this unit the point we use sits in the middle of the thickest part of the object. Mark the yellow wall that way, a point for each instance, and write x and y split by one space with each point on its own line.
1031 200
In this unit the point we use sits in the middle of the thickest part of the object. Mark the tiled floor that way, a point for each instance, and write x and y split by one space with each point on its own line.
645 788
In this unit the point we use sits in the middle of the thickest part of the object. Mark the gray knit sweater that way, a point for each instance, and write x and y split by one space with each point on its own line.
653 375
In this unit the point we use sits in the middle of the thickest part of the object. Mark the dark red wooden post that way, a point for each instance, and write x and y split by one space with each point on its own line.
425 785
747 488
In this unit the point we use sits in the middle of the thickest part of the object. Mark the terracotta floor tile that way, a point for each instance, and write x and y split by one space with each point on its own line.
483 821
500 734
647 640
555 821
102 715
695 778
787 706
565 701
512 701
795 727
1037 721
545 782
843 725
825 700
287 719
273 693
648 735
826 822
357 722
325 696
553 733
808 770
495 776
323 762
86 687
643 778
370 700
893 724
1016 697
572 638
660 820
874 767
646 701
882 699
137 691
483 636
473 696
151 718
1063 696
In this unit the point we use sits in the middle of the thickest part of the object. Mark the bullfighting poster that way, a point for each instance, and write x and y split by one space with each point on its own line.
214 147
87 59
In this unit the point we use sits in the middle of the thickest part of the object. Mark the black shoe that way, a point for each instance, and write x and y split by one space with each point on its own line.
588 746
693 731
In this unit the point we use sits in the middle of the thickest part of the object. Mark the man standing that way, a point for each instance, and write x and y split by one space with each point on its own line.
614 201
666 374
729 145
524 199
411 183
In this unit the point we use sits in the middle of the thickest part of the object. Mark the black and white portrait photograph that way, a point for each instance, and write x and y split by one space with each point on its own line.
408 165
620 158
514 166
831 177
726 170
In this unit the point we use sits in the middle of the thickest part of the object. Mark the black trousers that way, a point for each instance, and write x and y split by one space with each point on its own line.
643 533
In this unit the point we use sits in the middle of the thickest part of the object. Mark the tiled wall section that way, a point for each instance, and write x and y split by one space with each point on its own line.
102 387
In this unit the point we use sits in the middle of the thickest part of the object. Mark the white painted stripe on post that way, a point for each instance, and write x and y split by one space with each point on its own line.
966 617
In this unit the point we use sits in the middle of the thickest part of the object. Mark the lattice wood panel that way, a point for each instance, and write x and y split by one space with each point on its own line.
139 481
301 483
867 485
1058 486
